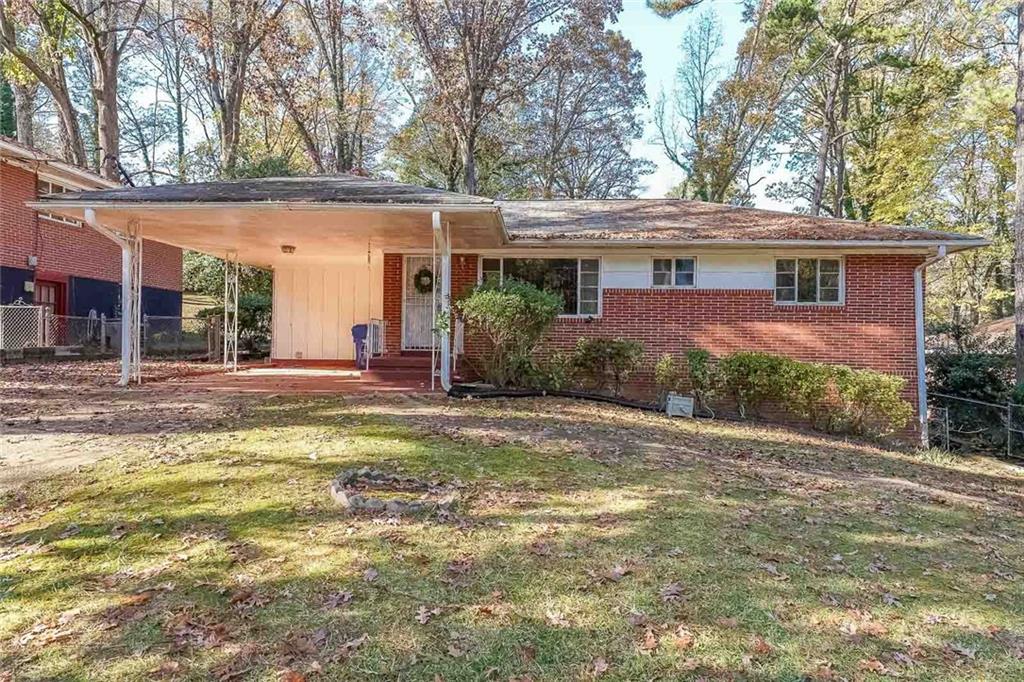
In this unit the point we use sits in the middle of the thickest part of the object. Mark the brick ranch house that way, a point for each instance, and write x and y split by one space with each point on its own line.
672 274
51 260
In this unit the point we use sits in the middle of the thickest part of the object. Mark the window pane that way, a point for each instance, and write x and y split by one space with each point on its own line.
785 294
491 269
558 275
662 272
830 265
684 279
785 265
807 280
589 279
590 265
588 307
828 280
684 265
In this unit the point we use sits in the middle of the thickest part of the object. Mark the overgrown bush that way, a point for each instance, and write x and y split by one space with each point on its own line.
752 378
868 402
511 318
254 318
668 377
705 377
834 398
606 364
553 373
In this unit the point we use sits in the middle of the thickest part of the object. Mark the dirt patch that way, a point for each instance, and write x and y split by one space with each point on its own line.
58 416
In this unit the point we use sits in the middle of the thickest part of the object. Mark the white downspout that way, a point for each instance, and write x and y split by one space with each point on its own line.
446 299
922 386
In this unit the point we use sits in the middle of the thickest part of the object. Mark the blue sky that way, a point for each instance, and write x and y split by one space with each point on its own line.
658 42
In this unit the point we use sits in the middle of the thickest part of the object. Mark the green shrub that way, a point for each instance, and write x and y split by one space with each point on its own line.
705 377
511 318
752 378
870 402
834 398
667 377
553 373
603 364
254 316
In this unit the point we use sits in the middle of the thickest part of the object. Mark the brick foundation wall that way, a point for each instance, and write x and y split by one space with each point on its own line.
69 249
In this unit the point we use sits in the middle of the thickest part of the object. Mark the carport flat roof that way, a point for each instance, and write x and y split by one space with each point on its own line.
324 217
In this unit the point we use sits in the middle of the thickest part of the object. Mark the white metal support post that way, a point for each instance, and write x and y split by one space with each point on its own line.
231 311
131 304
130 242
442 240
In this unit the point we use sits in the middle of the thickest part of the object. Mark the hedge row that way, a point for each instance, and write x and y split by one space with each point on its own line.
833 398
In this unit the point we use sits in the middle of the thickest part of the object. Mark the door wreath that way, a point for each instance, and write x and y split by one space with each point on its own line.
423 280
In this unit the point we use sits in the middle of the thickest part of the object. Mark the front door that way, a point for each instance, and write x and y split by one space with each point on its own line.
50 295
417 302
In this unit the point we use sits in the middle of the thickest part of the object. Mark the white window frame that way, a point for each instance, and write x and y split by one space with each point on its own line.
50 184
673 285
579 278
796 280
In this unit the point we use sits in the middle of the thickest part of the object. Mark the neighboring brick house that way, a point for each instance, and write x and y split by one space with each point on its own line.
60 263
672 274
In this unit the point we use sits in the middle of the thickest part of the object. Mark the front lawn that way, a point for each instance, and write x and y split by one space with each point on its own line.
590 541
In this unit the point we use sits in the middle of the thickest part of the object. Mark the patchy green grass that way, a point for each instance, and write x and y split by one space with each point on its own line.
590 542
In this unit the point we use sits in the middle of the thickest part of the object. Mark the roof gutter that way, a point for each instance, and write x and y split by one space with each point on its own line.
788 243
922 385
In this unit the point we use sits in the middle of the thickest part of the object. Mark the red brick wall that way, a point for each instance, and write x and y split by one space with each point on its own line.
874 328
67 249
392 301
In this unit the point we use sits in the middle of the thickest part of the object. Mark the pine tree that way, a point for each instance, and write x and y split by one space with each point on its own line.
8 125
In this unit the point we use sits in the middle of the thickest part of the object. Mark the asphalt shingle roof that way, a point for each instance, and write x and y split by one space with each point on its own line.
682 220
328 189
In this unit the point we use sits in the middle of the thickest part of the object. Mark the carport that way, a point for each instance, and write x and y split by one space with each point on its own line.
339 224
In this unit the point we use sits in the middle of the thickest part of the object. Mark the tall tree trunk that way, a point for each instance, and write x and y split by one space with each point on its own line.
24 107
469 164
1018 208
827 135
108 131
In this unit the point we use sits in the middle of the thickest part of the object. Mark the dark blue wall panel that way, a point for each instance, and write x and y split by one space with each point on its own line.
161 302
105 298
12 284
85 294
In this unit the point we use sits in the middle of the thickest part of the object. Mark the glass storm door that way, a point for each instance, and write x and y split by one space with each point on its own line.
417 300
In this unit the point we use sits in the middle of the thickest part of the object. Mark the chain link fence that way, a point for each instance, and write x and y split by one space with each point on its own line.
29 326
21 326
68 330
958 424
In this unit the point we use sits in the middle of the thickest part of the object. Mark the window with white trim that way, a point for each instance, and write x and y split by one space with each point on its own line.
578 280
47 187
674 272
808 280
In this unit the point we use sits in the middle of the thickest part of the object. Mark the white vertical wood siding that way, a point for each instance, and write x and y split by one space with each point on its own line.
315 306
714 271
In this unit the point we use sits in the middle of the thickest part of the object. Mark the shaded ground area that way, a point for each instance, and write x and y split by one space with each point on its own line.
57 416
589 542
